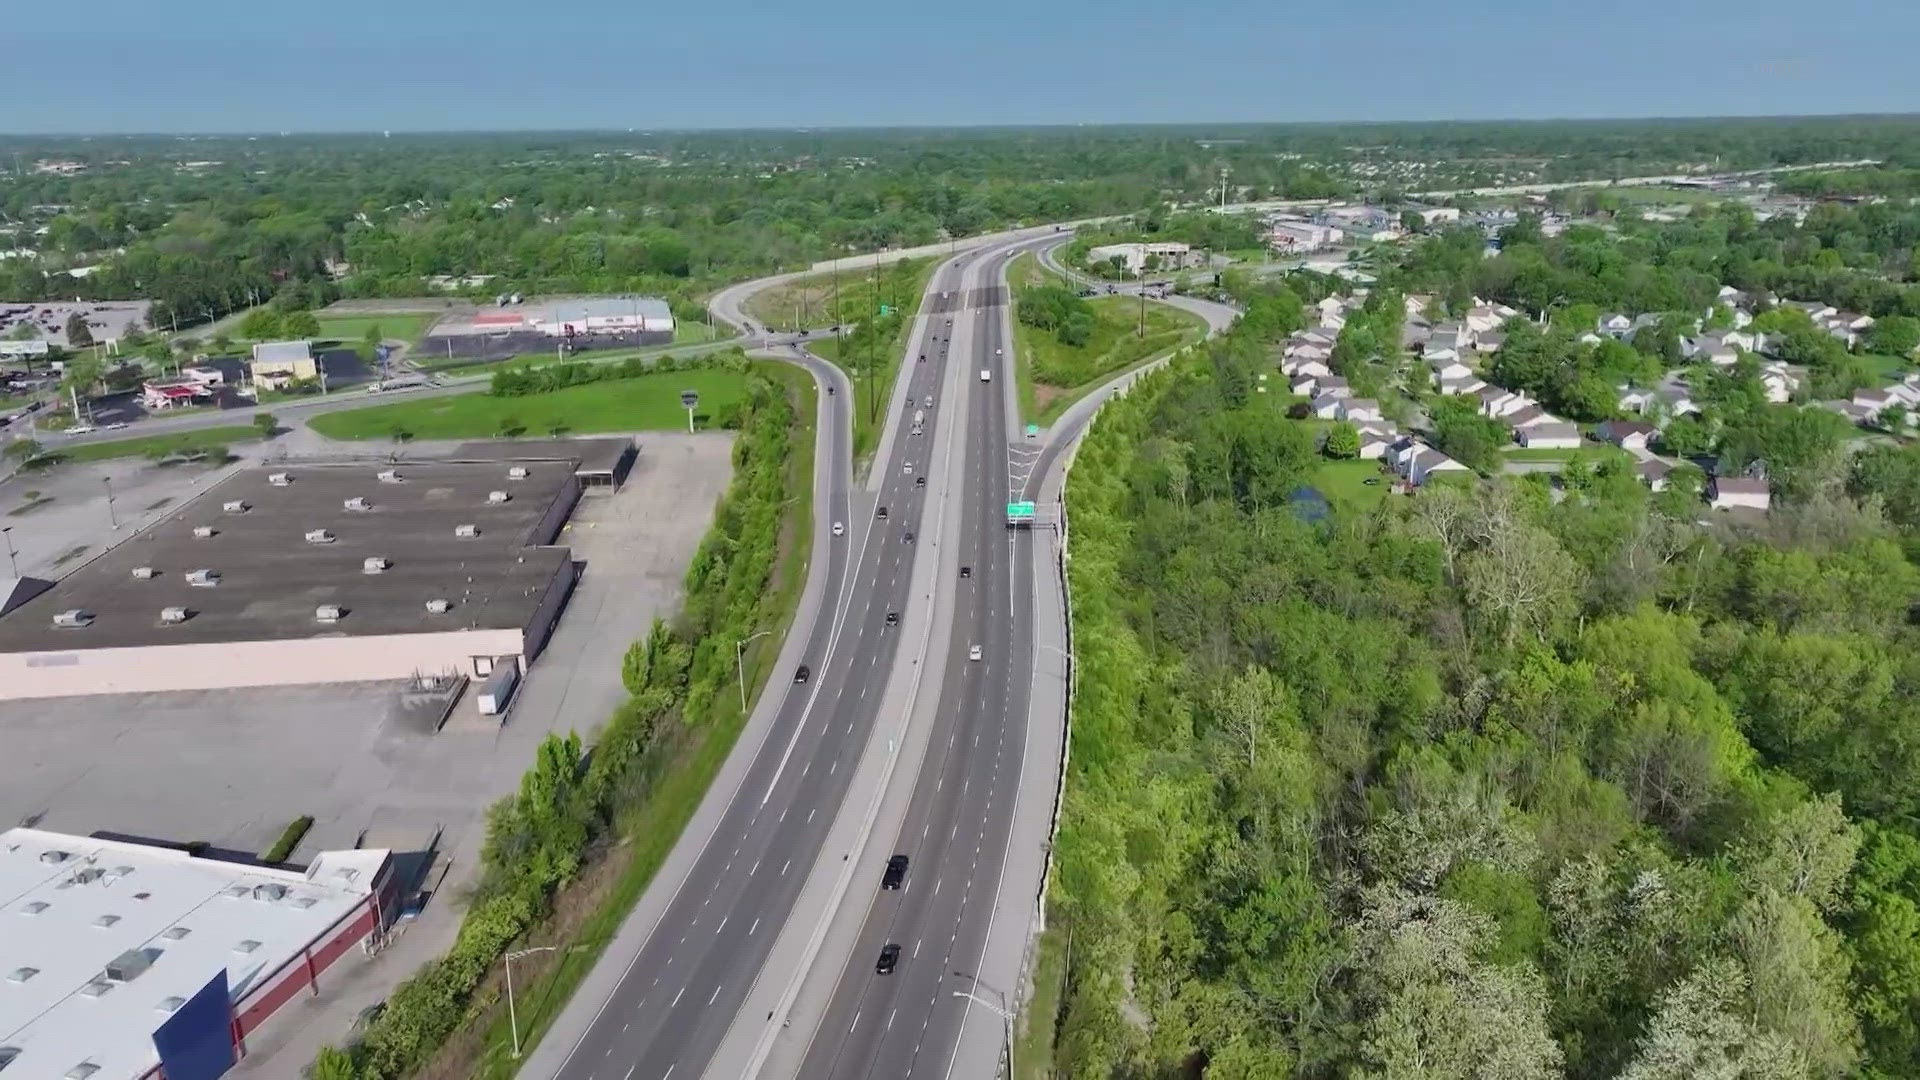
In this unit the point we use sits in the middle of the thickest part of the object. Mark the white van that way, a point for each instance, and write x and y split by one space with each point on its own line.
986 375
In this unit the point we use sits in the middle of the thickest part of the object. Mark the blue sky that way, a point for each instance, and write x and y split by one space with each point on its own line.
368 65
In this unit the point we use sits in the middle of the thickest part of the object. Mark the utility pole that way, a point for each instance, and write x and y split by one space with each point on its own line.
1143 299
873 345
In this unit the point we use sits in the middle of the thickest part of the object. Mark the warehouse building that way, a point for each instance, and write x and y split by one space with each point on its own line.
123 959
317 573
539 325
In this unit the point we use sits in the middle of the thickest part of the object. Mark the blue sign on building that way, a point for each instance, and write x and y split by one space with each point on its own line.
196 1042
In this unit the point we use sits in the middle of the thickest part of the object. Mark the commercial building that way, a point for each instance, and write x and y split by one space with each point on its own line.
277 363
1296 236
122 958
538 325
1171 255
319 573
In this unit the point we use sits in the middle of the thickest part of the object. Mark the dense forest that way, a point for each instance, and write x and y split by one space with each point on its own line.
1512 779
206 225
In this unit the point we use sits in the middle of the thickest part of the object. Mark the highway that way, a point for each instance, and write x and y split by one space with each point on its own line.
680 990
957 827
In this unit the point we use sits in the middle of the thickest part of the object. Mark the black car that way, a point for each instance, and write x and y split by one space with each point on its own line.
919 481
881 513
893 618
908 537
802 674
966 571
896 872
889 958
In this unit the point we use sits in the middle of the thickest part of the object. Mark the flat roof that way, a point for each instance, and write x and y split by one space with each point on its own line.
271 579
588 455
70 905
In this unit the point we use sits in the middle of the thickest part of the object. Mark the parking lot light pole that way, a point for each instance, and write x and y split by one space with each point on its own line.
740 665
513 1017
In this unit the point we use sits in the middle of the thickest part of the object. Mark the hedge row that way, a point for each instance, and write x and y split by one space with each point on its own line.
568 800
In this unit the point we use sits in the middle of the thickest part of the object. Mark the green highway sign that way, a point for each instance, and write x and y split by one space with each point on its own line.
1020 509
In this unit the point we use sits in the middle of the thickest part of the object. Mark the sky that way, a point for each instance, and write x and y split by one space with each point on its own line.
436 65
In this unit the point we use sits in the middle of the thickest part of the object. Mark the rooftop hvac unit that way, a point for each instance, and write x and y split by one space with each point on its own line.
73 619
497 497
203 531
390 476
437 606
171 616
374 564
145 573
279 479
357 503
205 579
234 506
131 964
466 531
517 472
319 536
327 613
269 892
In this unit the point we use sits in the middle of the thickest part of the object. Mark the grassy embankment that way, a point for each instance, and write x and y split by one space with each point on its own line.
1052 375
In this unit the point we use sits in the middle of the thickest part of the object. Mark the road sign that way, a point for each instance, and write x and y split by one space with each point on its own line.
1033 431
689 398
1020 510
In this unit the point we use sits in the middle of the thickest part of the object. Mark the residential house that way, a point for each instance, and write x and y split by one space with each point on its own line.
1852 411
1333 310
1626 434
1528 416
1740 339
1462 384
1815 310
1373 446
1482 316
1319 335
1779 380
1305 365
1326 406
1303 385
1615 324
1490 341
1635 399
1354 410
1654 472
1553 435
1497 401
1872 401
1425 462
1738 492
1333 384
1448 367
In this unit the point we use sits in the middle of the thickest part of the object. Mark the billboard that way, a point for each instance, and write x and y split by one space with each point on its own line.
33 347
196 1042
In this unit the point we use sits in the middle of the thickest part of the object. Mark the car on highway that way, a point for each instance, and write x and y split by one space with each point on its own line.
881 513
896 874
985 375
81 429
973 653
966 571
908 537
893 618
929 402
120 425
889 959
919 481
908 466
839 529
802 673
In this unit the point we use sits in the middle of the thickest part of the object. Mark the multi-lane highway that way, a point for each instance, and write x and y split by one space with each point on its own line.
956 829
679 992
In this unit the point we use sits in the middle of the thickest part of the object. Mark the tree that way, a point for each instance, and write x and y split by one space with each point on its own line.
1523 575
22 449
370 343
79 335
1895 335
1700 1031
1805 851
300 324
266 423
1799 979
261 324
1343 441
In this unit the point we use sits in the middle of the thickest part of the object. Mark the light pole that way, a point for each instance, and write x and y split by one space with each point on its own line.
1005 1016
740 665
12 565
513 1017
111 520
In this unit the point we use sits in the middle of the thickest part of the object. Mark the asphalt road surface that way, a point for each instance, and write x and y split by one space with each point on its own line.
679 993
956 830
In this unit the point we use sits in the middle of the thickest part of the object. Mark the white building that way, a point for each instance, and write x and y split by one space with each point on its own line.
105 941
1552 435
1169 255
1300 236
1739 492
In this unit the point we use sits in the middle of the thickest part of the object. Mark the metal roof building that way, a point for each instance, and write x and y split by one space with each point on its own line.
103 943
310 573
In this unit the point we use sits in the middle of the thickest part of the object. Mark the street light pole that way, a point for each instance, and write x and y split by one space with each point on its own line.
111 520
513 1017
1005 1016
12 565
740 665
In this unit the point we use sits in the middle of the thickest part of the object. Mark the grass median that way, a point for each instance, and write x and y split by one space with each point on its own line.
1053 374
186 442
874 351
645 403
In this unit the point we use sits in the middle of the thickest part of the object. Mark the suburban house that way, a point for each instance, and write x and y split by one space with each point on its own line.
1461 384
1303 385
1550 435
1374 446
1815 310
1653 472
1333 385
1780 381
1326 406
1448 367
1319 335
1738 492
1626 434
1303 364
1424 462
277 363
1615 324
1529 416
1355 410
1497 401
1482 317
1635 399
1710 349
1490 341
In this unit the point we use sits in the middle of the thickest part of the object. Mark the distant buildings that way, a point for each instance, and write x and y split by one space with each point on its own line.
1170 255
275 364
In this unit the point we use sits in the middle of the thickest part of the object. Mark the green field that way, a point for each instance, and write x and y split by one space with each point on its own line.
1886 367
352 328
1344 483
871 396
186 441
648 403
1053 375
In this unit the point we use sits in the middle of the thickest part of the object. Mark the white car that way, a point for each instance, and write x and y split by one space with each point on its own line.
81 429
996 352
839 529
909 468
929 402
973 653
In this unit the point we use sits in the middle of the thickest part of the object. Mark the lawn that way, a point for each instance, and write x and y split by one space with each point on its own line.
1026 271
1053 375
1344 483
1886 367
393 327
871 396
647 403
1593 452
808 302
149 445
